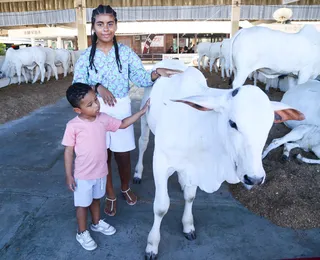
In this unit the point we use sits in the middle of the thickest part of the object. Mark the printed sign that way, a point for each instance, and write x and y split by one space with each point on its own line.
158 41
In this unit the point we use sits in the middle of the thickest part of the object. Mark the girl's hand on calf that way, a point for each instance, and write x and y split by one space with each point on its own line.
167 72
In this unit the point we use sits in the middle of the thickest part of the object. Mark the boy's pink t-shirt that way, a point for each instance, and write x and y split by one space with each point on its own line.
89 141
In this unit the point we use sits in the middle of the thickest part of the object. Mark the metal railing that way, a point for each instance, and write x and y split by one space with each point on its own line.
151 57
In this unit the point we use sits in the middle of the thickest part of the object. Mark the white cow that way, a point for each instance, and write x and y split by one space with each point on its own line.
75 56
305 134
207 136
64 59
283 82
275 53
16 60
269 82
212 51
72 60
49 64
225 57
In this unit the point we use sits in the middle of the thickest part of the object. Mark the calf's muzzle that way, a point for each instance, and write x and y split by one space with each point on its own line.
252 181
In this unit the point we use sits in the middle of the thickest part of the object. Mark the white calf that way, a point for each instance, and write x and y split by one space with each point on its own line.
306 137
304 134
207 136
203 49
275 53
283 82
49 64
15 60
75 56
63 58
225 57
212 51
214 55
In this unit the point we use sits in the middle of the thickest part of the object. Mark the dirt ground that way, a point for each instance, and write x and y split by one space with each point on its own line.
290 196
19 100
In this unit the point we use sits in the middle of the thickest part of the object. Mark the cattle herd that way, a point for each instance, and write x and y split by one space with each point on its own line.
32 62
267 55
209 135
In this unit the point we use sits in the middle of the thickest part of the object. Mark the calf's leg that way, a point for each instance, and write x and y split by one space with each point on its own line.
189 194
286 150
160 205
215 66
295 135
143 143
23 71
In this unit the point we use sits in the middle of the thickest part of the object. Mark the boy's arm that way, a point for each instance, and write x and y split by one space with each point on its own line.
131 119
68 162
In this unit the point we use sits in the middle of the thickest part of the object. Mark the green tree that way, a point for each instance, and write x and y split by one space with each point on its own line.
2 49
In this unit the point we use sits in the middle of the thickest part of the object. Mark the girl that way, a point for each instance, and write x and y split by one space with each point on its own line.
108 66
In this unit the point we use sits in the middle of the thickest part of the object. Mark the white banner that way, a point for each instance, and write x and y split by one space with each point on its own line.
190 59
158 41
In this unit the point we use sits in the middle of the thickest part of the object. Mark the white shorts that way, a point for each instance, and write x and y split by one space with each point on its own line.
87 190
123 139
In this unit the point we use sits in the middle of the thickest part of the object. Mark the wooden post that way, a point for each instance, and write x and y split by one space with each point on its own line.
235 16
81 21
33 42
59 42
178 43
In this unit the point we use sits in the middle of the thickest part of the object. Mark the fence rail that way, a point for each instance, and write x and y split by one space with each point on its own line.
151 57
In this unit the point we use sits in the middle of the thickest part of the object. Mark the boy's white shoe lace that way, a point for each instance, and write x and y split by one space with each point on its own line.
86 240
104 228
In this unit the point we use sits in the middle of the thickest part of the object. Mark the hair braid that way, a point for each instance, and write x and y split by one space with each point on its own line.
116 48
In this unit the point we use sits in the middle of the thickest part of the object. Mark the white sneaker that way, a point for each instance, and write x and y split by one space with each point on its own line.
86 241
103 227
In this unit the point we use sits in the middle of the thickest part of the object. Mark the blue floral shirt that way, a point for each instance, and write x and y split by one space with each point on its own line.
108 74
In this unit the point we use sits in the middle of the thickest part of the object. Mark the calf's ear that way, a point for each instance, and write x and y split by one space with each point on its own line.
283 112
204 103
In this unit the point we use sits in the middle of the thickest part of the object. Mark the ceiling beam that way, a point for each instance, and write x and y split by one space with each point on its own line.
17 1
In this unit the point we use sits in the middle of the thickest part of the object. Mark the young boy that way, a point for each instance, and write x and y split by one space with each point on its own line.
86 136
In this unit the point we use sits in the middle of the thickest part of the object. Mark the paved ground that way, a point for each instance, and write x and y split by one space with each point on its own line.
38 219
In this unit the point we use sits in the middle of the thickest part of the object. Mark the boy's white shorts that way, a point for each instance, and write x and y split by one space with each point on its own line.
123 139
87 190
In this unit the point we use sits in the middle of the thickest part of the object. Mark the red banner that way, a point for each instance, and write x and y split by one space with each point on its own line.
148 43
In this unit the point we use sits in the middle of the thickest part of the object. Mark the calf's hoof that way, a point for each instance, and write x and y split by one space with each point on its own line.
285 159
191 235
150 256
136 180
298 158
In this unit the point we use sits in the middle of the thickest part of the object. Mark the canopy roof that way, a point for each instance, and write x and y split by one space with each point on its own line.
40 5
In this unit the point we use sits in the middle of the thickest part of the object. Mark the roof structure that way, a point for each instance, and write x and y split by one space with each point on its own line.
42 5
76 14
48 12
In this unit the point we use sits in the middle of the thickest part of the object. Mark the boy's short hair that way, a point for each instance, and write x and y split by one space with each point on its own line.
76 92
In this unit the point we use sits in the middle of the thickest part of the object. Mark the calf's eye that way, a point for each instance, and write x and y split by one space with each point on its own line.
233 124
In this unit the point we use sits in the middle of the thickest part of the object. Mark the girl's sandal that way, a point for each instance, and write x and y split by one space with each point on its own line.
131 201
110 207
